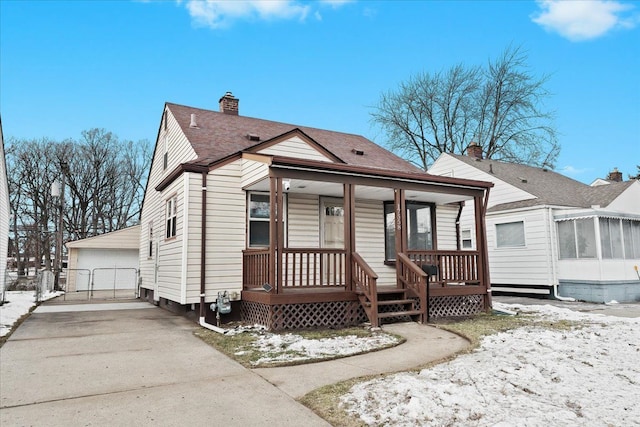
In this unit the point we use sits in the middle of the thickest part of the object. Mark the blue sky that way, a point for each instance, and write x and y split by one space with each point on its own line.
70 66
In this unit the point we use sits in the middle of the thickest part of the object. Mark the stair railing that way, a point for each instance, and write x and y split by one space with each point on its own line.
413 279
365 281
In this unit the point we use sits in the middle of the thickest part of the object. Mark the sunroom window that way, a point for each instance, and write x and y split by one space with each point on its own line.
419 228
577 239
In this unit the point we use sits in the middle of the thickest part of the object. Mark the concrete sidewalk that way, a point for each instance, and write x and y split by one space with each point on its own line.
424 344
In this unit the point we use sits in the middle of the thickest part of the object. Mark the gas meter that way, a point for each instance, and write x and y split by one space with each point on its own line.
222 304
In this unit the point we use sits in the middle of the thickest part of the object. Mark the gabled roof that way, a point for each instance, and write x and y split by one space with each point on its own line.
219 136
548 187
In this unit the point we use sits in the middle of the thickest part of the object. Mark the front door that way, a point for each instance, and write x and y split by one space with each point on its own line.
332 223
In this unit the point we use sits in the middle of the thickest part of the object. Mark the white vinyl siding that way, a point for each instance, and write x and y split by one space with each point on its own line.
253 171
180 151
304 225
226 232
370 239
524 265
446 228
295 147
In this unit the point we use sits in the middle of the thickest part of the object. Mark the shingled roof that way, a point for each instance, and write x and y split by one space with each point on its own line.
219 136
548 187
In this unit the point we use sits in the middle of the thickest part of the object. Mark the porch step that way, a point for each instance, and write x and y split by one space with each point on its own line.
399 314
390 302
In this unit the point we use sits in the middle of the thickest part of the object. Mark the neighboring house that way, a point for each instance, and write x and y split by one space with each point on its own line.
299 226
4 216
109 261
550 234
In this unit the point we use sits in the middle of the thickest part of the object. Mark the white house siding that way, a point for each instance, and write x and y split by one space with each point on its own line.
446 227
528 265
253 171
370 239
179 151
629 201
226 229
295 147
304 224
4 213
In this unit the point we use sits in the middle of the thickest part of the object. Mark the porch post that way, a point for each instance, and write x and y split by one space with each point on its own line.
349 232
280 232
272 233
481 239
400 224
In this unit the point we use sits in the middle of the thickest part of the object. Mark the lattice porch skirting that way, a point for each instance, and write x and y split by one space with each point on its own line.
338 314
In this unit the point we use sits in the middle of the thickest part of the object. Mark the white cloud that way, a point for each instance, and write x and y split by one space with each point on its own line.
573 171
222 13
584 19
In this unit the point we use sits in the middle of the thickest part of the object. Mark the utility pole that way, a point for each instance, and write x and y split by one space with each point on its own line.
58 190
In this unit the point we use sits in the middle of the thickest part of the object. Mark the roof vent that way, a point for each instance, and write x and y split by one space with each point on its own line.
193 123
522 179
357 152
253 137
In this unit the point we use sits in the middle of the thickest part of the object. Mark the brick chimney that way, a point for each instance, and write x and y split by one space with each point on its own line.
615 175
474 150
229 104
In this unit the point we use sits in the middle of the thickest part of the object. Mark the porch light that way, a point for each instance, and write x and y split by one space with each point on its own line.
286 184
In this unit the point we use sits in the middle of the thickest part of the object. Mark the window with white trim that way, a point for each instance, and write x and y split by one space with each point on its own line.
171 217
258 218
577 239
465 237
150 240
510 235
619 238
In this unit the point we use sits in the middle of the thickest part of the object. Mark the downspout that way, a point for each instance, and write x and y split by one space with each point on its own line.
554 266
461 205
203 258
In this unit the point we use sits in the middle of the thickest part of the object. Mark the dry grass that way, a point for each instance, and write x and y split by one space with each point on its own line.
325 401
240 346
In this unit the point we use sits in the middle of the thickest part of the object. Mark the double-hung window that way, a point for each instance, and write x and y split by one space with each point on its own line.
171 217
258 218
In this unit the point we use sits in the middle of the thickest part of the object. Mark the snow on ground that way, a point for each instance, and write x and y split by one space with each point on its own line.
17 304
587 376
292 347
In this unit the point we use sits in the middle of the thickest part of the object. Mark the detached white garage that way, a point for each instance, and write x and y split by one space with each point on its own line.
108 262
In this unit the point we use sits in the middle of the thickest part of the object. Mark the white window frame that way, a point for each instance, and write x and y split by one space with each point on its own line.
266 219
464 239
150 242
511 246
171 217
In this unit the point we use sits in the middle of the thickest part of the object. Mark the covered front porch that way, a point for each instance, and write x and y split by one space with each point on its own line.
387 247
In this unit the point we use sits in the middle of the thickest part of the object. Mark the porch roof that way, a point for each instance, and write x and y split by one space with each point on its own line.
314 177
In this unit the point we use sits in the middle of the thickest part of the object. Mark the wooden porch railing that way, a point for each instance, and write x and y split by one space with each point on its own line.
255 268
301 268
313 268
365 283
414 280
454 267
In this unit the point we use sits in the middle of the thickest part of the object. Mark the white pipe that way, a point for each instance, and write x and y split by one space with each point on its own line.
209 326
556 296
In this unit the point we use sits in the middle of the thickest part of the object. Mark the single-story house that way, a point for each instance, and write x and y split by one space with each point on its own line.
301 227
551 235
4 216
109 261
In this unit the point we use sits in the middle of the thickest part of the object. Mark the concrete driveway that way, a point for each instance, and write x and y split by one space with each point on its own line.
130 364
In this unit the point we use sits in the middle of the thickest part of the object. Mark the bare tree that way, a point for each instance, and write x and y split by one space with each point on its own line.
105 181
500 108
